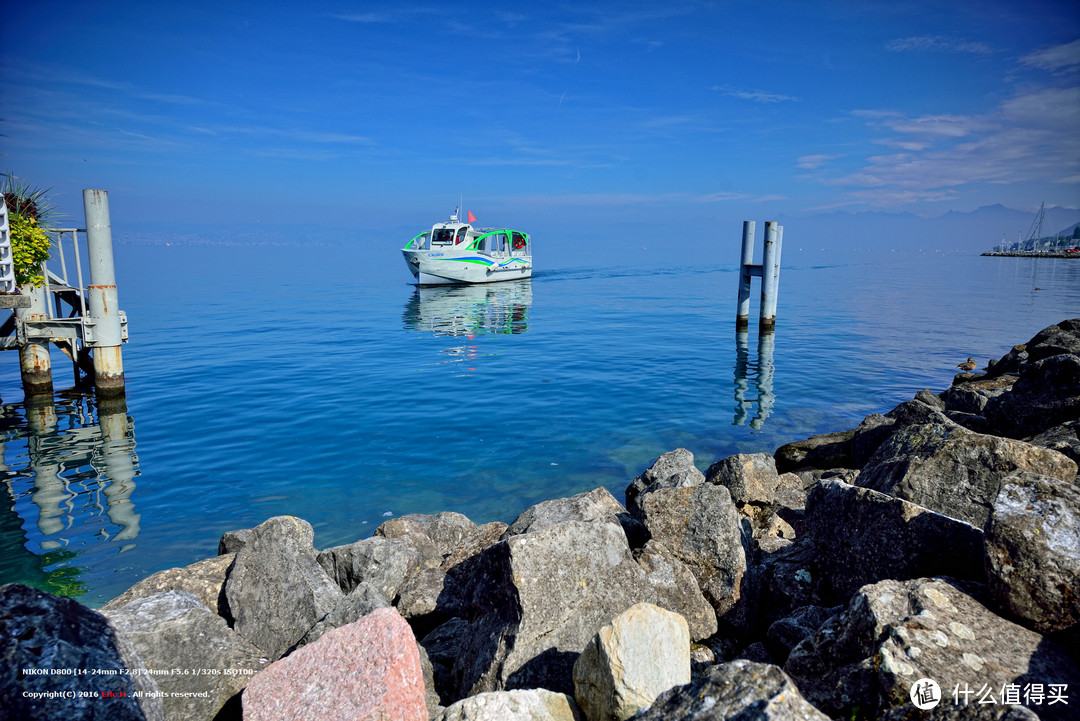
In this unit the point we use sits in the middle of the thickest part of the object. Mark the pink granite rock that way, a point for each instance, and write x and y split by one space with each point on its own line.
363 671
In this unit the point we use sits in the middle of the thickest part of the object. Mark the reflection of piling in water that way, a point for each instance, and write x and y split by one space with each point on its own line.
84 469
117 465
763 381
50 488
768 271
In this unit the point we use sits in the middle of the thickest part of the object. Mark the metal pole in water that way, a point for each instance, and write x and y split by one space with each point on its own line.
34 362
770 275
742 314
103 308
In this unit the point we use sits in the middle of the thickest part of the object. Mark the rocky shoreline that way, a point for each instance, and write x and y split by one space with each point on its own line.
923 565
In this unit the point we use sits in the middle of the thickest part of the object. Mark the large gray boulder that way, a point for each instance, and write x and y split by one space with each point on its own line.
382 563
1064 438
472 545
1046 394
359 602
954 471
1058 339
700 525
538 598
51 633
749 477
677 589
432 536
597 503
277 590
674 469
173 629
1033 553
522 705
864 660
443 647
862 536
788 632
742 690
643 652
825 450
205 579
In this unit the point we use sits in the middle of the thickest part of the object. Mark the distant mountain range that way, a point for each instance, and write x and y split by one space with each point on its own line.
977 231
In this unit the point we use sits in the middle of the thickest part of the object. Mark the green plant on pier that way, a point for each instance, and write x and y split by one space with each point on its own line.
30 216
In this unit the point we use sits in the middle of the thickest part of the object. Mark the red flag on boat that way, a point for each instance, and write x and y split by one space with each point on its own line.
472 218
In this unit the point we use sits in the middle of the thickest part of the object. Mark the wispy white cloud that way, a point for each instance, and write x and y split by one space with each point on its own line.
813 162
1056 59
758 96
729 197
1034 136
938 43
368 17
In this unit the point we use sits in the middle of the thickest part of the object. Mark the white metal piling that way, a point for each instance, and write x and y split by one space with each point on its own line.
742 315
770 274
102 301
768 271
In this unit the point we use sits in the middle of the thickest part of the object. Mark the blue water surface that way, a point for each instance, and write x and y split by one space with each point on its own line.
316 382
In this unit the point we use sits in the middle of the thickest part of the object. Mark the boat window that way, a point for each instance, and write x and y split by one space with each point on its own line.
443 236
420 242
463 234
520 240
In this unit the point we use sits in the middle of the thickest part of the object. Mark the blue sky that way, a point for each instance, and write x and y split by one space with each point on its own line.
583 115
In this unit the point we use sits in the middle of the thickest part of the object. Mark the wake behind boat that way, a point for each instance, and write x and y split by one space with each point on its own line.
456 252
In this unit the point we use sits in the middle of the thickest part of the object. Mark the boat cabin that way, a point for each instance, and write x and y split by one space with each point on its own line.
502 242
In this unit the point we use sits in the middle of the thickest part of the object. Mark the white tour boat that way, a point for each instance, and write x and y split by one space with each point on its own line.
456 252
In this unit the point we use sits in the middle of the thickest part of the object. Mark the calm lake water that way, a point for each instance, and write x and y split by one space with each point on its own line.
316 382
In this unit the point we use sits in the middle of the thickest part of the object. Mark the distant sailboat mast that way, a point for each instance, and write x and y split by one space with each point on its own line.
1035 233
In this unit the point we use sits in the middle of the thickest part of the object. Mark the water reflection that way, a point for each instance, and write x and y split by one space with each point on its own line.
470 310
760 372
68 469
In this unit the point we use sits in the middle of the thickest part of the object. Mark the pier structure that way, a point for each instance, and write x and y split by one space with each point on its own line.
82 320
769 272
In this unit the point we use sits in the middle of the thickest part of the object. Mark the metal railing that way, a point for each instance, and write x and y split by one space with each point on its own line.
50 277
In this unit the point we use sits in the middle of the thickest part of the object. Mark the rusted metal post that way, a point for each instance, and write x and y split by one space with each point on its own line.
103 308
742 315
770 275
34 362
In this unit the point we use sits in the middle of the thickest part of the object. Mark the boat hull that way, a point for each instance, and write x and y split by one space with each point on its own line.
442 268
